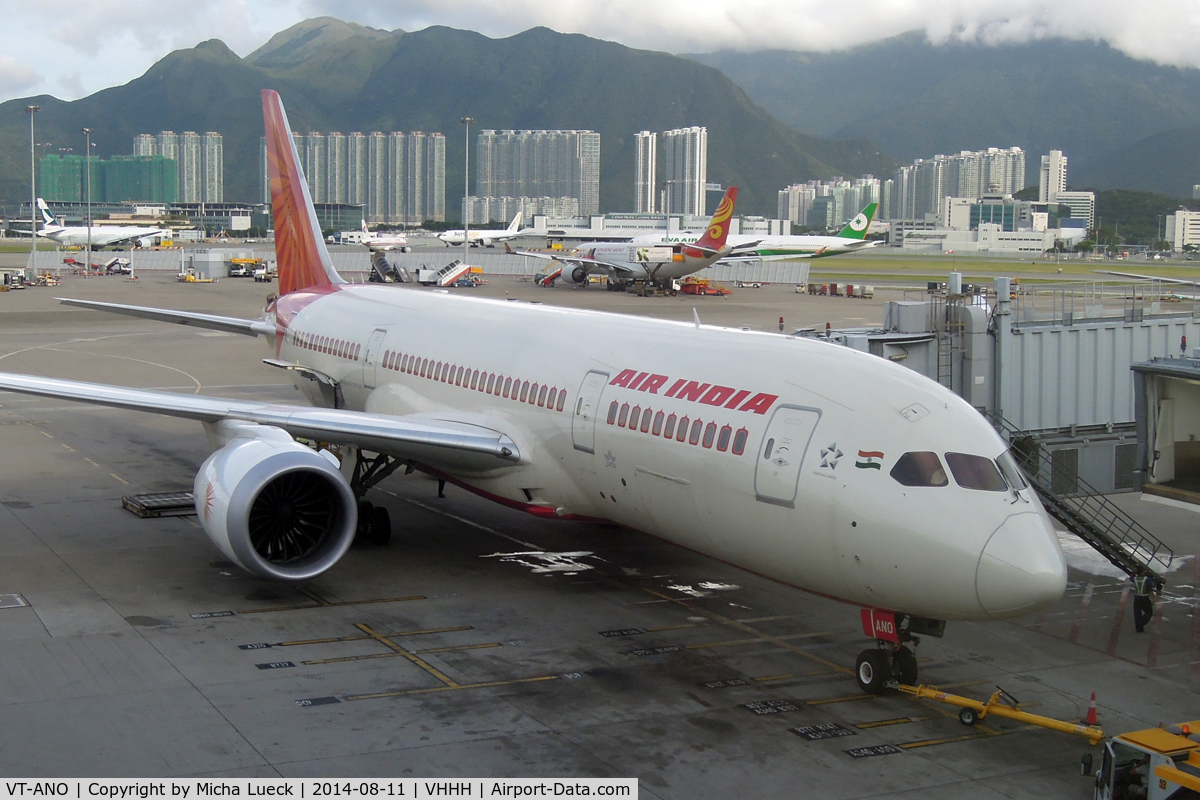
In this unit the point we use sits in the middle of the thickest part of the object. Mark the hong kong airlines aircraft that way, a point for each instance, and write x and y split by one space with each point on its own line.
827 469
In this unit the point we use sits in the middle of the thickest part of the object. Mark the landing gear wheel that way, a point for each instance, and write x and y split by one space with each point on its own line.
904 666
968 716
872 671
381 527
366 510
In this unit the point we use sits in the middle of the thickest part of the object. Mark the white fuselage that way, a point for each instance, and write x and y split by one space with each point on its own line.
480 237
768 246
101 236
384 241
633 259
798 503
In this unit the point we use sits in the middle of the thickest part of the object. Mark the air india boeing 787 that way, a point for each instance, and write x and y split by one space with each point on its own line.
827 469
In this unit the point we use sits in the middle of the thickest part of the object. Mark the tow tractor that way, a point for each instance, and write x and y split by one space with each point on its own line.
1156 764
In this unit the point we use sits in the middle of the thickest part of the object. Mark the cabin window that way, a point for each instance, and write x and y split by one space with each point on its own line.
542 396
633 417
681 435
658 422
491 382
562 398
696 428
624 416
976 472
723 438
646 421
920 468
612 413
533 391
739 441
710 434
474 379
524 391
507 386
458 380
550 399
669 430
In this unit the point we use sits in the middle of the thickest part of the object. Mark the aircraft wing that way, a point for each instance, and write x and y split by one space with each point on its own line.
246 327
442 443
577 260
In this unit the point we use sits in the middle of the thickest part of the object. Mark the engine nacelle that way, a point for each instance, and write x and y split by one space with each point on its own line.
579 275
276 508
485 242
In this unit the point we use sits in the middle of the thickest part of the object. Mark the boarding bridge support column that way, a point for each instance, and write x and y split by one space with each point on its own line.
1002 333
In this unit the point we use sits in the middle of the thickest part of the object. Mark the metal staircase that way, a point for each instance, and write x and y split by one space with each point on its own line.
1085 512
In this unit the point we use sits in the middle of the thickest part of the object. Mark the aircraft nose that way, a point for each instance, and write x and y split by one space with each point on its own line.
1021 568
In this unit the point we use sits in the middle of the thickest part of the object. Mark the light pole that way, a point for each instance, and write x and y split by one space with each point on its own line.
87 165
31 110
467 193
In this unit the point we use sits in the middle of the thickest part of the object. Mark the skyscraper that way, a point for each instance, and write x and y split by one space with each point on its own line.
213 168
337 168
685 158
645 168
538 164
316 166
1053 177
191 168
918 188
356 172
377 177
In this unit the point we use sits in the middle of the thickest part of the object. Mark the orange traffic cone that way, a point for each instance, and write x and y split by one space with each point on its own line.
1090 719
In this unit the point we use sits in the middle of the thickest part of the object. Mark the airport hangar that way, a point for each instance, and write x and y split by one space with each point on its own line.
602 652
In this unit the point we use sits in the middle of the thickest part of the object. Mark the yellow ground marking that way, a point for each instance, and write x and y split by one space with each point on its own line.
883 723
48 436
69 448
864 696
321 602
389 644
709 623
393 654
118 477
361 638
93 463
456 687
764 638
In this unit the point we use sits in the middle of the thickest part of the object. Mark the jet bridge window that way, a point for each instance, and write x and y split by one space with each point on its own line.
976 472
919 469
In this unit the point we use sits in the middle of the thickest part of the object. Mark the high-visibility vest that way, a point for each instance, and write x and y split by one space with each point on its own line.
1142 585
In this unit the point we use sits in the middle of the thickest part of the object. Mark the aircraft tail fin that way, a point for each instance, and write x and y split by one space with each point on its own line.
718 227
857 227
304 262
515 224
48 219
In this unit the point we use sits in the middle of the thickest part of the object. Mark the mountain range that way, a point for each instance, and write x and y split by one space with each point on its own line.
1122 122
336 76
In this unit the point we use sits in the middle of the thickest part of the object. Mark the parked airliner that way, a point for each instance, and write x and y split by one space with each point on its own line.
818 466
101 235
484 237
384 240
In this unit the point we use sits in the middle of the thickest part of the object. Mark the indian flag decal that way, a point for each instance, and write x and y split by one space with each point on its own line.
868 459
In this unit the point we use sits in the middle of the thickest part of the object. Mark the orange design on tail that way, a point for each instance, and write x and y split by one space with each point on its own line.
718 226
303 260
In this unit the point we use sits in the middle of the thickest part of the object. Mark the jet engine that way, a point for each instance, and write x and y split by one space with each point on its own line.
484 242
579 275
276 508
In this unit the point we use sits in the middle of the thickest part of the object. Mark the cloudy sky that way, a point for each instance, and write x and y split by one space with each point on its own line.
71 49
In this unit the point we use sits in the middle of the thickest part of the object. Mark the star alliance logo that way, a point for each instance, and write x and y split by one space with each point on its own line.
830 456
610 460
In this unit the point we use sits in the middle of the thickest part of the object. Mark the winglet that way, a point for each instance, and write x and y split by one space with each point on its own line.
857 227
304 262
718 226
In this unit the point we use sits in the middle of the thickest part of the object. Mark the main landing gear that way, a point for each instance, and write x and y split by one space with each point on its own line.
374 522
891 661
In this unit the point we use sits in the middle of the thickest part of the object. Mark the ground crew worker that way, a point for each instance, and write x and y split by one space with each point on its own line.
1143 601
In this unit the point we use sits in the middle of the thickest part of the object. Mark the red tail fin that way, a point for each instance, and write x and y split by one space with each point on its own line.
304 262
718 226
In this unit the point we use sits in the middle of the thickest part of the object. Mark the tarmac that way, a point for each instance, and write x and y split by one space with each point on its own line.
483 641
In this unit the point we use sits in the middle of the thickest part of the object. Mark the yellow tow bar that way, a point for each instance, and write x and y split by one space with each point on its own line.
1001 704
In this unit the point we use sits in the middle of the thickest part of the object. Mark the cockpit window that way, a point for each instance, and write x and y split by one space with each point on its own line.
919 469
976 472
1011 472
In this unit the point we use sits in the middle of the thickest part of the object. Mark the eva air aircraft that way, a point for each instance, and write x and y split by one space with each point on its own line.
746 247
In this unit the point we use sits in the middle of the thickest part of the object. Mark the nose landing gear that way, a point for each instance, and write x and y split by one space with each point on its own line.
892 661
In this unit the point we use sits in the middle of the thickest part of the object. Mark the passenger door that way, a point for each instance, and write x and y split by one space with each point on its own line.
777 470
583 421
371 357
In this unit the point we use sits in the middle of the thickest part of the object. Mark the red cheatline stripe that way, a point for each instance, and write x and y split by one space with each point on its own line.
870 454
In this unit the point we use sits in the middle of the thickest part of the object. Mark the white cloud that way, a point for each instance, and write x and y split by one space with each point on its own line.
109 42
16 77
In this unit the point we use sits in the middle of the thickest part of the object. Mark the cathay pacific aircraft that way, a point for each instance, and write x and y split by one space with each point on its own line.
821 467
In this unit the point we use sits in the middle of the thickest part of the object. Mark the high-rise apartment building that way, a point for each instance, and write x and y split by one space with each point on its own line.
918 188
356 169
1082 205
539 164
212 167
1052 177
191 168
685 162
839 200
337 168
645 192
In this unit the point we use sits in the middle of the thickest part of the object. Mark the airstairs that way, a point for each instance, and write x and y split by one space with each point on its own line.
1085 512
